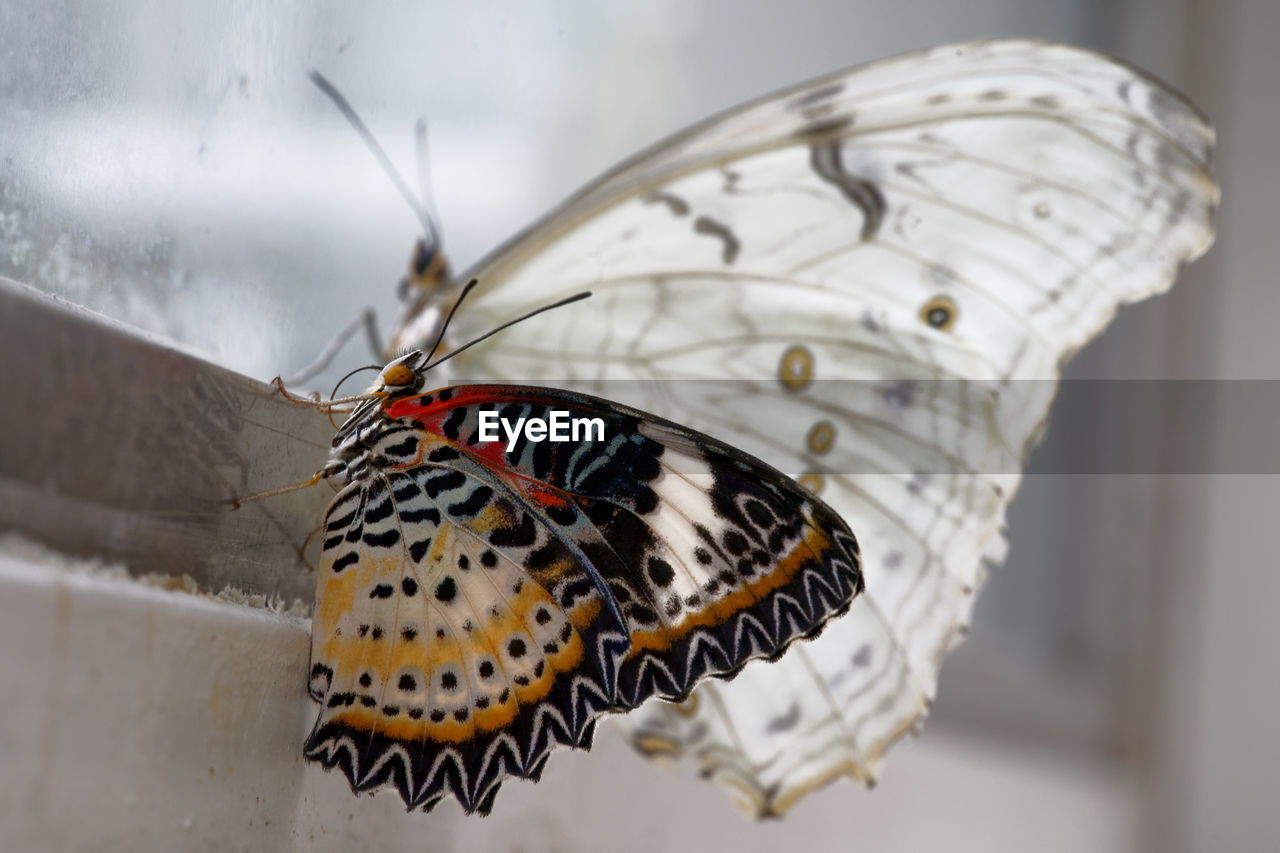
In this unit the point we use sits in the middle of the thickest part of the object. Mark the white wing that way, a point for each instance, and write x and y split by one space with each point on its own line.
875 277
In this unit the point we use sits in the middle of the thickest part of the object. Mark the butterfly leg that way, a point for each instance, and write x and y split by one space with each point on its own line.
368 320
306 543
330 468
311 400
236 503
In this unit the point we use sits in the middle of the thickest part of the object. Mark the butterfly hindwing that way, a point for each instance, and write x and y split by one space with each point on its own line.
481 601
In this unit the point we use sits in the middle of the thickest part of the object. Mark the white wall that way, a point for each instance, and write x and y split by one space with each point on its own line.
1216 784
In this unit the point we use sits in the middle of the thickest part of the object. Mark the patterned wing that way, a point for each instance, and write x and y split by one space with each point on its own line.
877 275
482 601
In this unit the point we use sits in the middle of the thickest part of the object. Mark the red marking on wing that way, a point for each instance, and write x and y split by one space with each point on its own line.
545 496
470 395
432 415
435 411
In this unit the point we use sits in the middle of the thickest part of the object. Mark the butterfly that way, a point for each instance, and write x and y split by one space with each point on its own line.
483 598
871 280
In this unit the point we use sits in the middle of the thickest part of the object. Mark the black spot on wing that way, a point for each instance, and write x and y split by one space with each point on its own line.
407 449
443 454
452 426
472 503
381 511
446 590
443 481
405 490
521 535
827 162
382 540
660 572
713 228
677 205
429 514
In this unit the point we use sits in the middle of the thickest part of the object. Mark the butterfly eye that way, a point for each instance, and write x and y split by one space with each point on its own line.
398 376
796 368
428 265
422 258
940 313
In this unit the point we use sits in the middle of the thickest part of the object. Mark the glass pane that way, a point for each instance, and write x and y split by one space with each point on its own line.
173 167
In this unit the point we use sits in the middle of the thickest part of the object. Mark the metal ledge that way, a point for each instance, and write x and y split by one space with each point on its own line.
123 447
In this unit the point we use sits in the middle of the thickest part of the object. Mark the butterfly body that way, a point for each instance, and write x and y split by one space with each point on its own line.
479 601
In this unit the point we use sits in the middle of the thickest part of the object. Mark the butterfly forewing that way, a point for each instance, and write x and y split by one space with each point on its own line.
880 273
481 601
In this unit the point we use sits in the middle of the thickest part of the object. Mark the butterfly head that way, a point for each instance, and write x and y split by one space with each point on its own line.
428 270
404 376
401 375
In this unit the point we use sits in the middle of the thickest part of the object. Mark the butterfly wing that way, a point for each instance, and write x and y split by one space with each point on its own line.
877 275
439 665
480 602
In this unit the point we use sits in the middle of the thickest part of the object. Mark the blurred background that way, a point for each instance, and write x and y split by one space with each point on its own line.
173 168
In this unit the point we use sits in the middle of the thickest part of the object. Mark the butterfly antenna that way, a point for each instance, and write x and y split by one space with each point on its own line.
349 375
566 301
344 107
424 182
334 394
447 320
